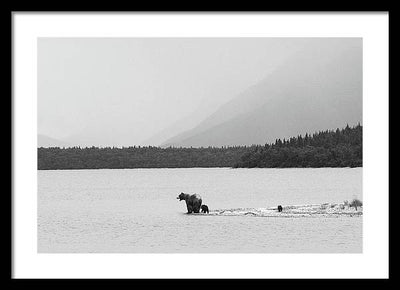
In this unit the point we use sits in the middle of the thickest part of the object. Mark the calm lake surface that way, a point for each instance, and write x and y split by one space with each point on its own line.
136 211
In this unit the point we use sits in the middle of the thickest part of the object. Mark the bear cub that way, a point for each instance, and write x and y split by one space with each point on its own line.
204 208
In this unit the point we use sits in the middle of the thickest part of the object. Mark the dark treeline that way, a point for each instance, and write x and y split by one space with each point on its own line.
331 148
137 157
340 148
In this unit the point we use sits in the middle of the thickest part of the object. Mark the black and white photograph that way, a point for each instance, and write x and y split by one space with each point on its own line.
201 143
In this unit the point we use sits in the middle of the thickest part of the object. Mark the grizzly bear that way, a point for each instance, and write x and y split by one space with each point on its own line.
193 202
279 208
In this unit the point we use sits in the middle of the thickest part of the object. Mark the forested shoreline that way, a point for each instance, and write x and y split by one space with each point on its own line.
331 148
137 157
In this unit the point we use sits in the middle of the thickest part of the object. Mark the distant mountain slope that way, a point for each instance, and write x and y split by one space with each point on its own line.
317 88
192 119
46 141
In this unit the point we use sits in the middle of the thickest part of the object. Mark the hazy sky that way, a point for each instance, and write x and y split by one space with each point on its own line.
122 91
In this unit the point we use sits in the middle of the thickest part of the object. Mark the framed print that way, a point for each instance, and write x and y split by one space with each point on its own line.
200 145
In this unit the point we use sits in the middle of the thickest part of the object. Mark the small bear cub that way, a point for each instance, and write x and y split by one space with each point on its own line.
204 208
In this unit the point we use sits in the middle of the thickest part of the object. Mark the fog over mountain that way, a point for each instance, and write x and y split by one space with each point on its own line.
124 91
195 91
318 88
46 141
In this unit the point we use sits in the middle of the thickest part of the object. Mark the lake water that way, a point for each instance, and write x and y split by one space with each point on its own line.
136 211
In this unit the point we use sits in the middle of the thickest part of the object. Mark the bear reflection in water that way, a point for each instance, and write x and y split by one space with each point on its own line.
193 202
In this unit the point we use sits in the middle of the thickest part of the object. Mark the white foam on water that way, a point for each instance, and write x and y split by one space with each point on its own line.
311 210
